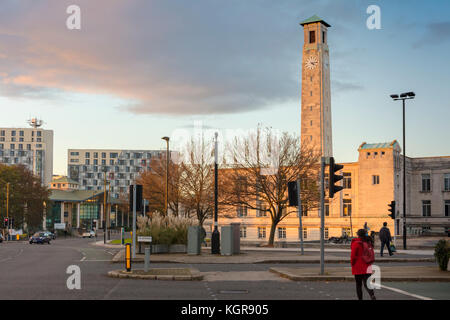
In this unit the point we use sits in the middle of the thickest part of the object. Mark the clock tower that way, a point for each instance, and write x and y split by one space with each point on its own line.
315 97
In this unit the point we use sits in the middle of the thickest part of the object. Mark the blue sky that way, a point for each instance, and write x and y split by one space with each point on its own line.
139 70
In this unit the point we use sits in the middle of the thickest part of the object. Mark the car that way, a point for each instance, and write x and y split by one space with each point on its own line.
39 237
50 235
1 238
89 234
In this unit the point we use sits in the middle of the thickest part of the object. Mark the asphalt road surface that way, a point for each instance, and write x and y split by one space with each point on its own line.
39 272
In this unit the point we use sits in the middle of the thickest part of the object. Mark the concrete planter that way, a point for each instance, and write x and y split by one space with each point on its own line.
160 248
177 248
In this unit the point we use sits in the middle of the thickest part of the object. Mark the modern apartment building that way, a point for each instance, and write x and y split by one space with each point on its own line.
31 147
86 166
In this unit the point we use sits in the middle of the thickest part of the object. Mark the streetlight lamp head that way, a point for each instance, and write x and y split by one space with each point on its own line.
394 96
411 94
165 138
403 95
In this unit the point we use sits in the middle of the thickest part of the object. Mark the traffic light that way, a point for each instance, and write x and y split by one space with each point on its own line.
5 223
392 209
332 188
292 193
138 197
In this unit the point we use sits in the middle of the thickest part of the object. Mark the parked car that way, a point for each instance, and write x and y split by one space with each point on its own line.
40 237
88 234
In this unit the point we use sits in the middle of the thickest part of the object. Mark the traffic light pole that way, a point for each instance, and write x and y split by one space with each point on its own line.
134 223
404 180
299 208
322 215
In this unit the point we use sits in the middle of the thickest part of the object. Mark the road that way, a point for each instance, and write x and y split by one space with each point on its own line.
39 272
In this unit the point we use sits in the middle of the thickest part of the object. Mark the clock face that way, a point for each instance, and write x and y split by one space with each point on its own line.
311 62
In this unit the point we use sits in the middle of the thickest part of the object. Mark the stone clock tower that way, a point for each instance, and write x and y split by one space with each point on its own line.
315 98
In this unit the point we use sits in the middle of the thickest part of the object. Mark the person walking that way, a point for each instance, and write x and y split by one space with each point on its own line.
362 257
385 239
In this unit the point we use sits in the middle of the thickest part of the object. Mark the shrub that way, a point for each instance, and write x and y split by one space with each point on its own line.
442 254
165 230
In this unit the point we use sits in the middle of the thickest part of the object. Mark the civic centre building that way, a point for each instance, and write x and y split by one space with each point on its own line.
369 184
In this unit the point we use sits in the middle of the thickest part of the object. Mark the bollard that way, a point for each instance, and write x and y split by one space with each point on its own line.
147 259
17 237
128 257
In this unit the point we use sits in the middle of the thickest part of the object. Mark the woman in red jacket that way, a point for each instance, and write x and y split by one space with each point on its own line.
361 262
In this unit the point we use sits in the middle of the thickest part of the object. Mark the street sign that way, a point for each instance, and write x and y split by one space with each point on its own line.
144 239
60 226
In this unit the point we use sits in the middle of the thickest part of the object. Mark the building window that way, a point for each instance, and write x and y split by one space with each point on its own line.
281 233
447 182
447 208
305 233
262 209
312 37
375 179
261 232
241 211
324 38
86 161
326 233
327 208
347 181
74 153
95 154
426 182
13 133
426 208
243 232
95 162
304 210
103 154
347 207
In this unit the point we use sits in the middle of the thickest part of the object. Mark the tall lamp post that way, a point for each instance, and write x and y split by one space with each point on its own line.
105 229
215 237
403 97
7 206
166 197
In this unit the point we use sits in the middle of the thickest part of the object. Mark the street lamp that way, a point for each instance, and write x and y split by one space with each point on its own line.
166 197
215 237
105 170
403 97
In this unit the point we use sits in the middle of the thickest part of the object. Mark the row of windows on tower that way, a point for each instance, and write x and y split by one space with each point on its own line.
21 133
312 37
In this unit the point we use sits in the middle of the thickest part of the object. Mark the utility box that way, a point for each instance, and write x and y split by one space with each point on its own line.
194 240
230 242
226 241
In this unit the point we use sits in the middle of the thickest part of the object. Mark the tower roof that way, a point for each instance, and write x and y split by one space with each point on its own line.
314 19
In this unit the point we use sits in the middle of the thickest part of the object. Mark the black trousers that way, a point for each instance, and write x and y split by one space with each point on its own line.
360 280
387 244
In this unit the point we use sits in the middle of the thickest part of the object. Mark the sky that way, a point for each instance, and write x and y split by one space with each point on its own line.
139 70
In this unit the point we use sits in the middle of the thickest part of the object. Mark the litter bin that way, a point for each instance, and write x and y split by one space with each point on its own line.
194 240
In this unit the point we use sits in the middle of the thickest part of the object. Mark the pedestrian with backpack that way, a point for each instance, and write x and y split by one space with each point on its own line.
362 257
385 239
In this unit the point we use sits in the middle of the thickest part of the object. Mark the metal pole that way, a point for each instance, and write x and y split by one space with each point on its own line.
322 215
167 178
299 210
7 209
134 223
215 238
104 210
404 180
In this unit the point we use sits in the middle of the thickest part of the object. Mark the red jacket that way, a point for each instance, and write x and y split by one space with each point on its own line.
357 262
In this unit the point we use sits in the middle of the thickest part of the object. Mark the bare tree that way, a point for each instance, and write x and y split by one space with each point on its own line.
197 178
261 166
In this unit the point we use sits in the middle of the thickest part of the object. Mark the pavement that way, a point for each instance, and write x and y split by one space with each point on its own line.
405 273
256 255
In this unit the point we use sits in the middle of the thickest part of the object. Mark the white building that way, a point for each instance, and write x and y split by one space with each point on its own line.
31 147
123 166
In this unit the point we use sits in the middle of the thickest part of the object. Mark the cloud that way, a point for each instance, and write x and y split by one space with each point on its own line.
161 57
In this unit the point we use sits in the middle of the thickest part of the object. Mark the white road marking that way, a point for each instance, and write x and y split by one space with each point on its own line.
84 258
406 293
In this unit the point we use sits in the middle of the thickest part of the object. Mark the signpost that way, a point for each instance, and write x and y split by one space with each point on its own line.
60 226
